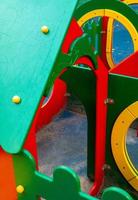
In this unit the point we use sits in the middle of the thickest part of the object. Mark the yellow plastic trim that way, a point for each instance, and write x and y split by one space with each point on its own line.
110 34
129 2
90 15
134 181
109 43
118 143
114 16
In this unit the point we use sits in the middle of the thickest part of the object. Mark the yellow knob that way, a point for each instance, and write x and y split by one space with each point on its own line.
20 189
44 29
16 99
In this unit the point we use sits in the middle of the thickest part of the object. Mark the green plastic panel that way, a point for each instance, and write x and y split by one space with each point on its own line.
64 184
27 58
116 194
123 90
94 29
81 82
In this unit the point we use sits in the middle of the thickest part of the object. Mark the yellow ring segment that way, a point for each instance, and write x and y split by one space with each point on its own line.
110 36
114 16
118 143
129 2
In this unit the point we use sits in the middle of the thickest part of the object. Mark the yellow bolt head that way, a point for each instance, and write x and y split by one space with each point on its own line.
20 189
16 99
44 29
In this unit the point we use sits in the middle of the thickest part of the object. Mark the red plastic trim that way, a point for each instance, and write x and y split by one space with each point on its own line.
128 67
101 117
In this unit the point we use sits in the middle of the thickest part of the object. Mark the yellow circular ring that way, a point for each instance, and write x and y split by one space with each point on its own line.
113 15
110 34
118 143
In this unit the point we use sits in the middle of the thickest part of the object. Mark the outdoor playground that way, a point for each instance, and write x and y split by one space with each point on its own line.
69 100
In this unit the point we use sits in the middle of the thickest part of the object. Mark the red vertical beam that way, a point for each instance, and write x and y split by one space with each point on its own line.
101 116
7 178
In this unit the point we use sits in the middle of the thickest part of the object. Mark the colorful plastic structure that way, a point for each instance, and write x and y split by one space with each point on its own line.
42 46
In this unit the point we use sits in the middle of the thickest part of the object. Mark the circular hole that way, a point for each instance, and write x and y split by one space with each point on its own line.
132 144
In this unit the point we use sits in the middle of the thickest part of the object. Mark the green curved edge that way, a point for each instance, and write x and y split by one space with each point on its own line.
116 193
64 184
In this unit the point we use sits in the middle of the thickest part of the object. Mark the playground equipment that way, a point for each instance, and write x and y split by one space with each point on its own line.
43 44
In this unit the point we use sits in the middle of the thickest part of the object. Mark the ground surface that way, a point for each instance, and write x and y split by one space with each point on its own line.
64 142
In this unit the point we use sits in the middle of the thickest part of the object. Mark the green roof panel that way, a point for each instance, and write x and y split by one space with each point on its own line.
27 57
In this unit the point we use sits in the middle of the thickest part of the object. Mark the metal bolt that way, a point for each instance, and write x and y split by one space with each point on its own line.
109 101
67 95
106 167
103 32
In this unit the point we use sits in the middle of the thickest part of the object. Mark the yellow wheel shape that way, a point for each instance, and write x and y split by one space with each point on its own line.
118 143
110 36
113 15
